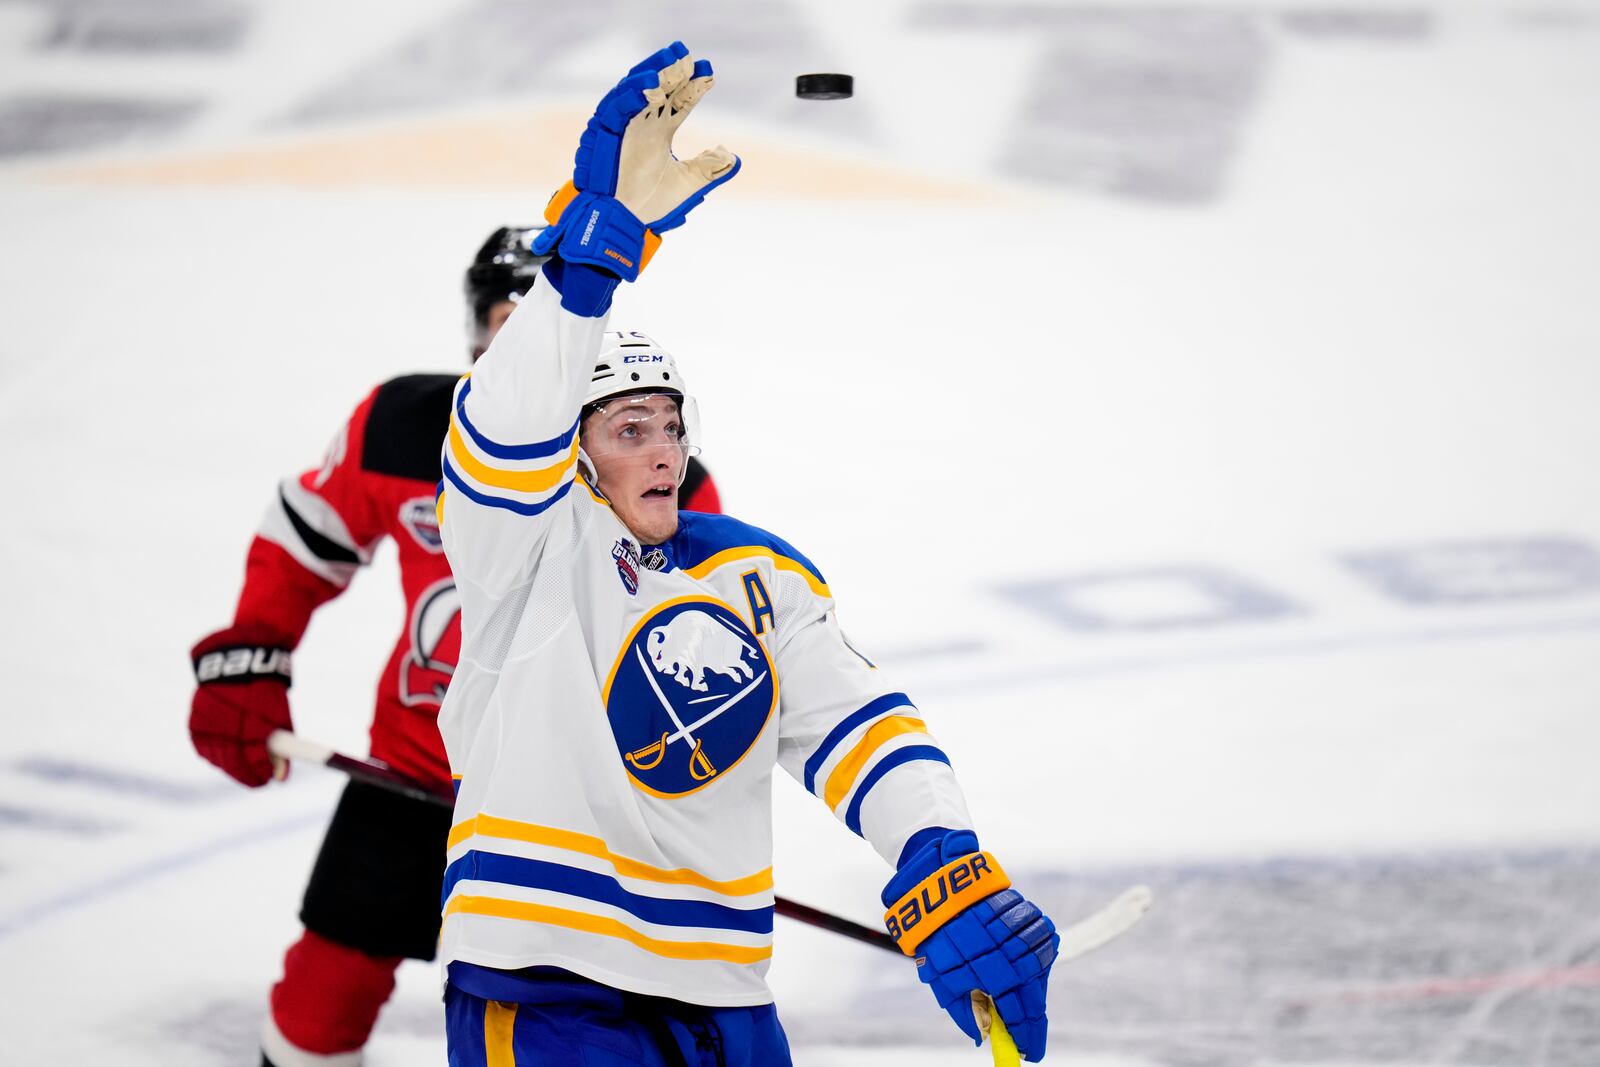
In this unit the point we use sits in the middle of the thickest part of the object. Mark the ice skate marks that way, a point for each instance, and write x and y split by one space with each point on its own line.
689 695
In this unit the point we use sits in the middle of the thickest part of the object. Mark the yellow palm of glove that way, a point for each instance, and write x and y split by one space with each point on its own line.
651 181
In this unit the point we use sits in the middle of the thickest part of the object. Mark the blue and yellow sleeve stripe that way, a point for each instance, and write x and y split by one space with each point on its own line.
869 743
523 478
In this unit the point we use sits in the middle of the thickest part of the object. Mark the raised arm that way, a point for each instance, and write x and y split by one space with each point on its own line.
511 456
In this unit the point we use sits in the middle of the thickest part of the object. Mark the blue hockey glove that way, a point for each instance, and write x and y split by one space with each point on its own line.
953 910
627 187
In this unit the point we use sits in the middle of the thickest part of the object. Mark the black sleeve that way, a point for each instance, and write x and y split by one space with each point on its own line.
410 417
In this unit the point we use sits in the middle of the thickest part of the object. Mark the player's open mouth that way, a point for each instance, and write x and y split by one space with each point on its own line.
657 491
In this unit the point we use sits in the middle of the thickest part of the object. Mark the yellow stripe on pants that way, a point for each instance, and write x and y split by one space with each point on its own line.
499 1019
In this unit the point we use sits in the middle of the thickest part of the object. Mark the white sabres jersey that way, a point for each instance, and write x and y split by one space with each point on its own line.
614 727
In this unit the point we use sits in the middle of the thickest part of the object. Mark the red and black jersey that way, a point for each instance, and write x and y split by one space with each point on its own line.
378 480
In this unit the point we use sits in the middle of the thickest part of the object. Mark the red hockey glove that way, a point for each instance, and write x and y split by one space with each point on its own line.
243 695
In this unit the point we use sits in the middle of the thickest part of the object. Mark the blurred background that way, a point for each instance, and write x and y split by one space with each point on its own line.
1191 405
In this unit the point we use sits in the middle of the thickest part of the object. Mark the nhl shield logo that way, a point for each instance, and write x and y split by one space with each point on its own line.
690 693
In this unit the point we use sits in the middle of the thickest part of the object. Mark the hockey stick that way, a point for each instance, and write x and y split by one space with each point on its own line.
1110 922
825 920
287 746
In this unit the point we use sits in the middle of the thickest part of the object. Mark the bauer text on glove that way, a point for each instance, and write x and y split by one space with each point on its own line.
951 907
242 696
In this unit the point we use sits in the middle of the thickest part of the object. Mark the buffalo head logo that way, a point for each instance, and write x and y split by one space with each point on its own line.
694 643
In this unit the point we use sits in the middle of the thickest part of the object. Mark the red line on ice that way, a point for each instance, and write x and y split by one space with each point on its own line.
1553 978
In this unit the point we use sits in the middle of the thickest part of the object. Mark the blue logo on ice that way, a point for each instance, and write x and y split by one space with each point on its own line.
689 694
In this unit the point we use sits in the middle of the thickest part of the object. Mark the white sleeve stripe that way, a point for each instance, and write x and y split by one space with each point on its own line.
913 796
275 527
321 517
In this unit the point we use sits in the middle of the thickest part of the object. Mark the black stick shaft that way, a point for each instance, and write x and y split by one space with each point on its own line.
825 920
378 773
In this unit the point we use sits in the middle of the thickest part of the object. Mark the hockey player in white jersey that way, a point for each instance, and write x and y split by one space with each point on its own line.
630 675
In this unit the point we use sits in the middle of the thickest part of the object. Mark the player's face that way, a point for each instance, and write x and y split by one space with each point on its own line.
483 332
499 312
637 446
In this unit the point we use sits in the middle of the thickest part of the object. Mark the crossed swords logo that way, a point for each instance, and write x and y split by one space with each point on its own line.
651 755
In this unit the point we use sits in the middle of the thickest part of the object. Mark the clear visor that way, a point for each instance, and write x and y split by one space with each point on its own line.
652 428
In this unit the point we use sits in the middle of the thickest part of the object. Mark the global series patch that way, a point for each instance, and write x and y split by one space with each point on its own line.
420 517
626 553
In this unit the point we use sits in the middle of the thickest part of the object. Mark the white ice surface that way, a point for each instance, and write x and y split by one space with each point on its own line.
1382 334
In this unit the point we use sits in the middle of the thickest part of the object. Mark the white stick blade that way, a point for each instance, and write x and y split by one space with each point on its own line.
1107 924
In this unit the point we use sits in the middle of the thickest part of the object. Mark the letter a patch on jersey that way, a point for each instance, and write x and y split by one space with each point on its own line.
760 601
690 693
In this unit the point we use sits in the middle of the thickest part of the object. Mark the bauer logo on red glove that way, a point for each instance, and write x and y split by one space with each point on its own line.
243 696
242 664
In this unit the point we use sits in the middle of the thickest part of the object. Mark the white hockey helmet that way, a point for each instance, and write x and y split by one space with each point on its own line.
631 364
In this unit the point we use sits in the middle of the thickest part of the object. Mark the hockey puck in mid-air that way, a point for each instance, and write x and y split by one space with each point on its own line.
824 86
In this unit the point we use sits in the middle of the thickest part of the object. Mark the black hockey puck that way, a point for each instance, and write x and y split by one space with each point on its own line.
824 86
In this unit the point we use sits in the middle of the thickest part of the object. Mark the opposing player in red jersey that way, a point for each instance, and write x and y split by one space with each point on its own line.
373 897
